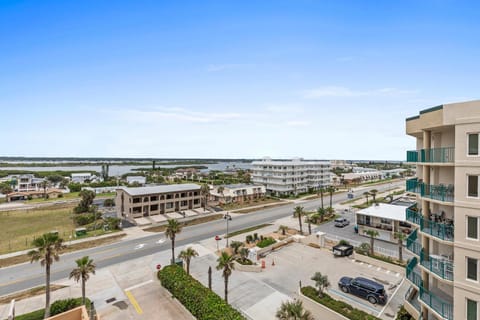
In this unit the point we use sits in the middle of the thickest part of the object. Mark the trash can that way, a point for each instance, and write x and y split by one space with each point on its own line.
80 232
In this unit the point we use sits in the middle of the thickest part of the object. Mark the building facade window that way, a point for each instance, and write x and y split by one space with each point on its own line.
472 227
472 269
473 186
473 144
472 310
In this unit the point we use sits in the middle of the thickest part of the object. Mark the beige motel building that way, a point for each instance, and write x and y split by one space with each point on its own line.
139 202
444 274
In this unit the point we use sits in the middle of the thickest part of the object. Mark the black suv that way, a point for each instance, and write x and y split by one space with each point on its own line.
373 291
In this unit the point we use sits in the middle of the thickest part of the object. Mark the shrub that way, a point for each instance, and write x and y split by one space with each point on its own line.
255 236
338 306
249 238
84 219
266 242
61 306
245 261
57 307
202 302
344 242
364 249
403 314
74 187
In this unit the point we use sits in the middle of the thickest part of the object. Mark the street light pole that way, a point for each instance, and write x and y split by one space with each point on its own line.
227 217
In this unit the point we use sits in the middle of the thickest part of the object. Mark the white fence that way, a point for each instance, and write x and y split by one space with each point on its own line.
377 249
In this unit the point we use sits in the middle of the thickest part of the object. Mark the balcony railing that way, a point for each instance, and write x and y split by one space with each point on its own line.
441 267
439 192
412 185
412 244
439 230
412 215
412 274
442 307
434 155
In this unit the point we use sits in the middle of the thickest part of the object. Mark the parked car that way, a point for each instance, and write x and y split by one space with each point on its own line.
342 250
373 291
341 222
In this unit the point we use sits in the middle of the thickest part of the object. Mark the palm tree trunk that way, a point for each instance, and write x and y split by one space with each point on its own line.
400 253
226 289
47 290
173 251
321 195
300 223
371 245
309 226
188 266
331 195
83 291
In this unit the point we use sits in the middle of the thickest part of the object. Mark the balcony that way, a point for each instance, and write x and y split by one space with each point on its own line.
413 273
435 155
411 299
438 192
442 305
412 244
412 185
439 265
413 216
440 230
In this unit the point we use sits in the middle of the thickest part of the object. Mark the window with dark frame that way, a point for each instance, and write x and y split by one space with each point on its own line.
472 269
472 227
473 186
473 144
472 310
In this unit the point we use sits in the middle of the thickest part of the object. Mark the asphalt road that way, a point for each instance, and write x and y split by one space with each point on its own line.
26 275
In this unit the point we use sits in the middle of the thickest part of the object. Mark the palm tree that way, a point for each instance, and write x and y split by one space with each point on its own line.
330 211
244 253
373 193
186 255
298 213
220 190
321 212
173 227
283 229
235 245
205 191
400 237
309 221
48 250
321 282
293 310
322 190
366 194
225 263
85 266
372 234
331 190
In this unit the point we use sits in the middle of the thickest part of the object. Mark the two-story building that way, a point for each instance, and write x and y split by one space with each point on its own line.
139 202
236 193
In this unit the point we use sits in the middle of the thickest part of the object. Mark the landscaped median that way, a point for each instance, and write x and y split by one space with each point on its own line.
201 302
330 308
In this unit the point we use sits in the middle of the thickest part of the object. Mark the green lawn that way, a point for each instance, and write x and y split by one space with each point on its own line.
20 227
69 196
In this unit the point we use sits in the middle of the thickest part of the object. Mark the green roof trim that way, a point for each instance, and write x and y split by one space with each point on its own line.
412 118
440 107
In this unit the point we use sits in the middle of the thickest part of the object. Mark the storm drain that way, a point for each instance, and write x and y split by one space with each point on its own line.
122 305
110 300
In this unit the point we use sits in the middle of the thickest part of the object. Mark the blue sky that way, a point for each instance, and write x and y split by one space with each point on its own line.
229 79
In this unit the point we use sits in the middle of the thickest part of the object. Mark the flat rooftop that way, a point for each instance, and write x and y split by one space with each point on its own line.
160 189
387 211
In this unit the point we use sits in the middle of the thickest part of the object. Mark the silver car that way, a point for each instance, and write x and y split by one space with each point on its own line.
341 222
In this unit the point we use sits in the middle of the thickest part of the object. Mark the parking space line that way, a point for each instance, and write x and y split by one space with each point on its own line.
358 302
134 302
391 297
139 285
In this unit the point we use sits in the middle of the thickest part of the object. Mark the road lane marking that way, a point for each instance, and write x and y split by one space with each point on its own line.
139 285
160 241
139 246
134 302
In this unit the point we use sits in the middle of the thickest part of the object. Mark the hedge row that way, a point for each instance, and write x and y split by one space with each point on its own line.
339 306
57 307
202 303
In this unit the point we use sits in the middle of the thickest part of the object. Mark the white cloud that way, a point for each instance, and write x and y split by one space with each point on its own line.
343 92
184 115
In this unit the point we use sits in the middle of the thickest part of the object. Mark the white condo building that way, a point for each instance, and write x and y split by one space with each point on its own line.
288 177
